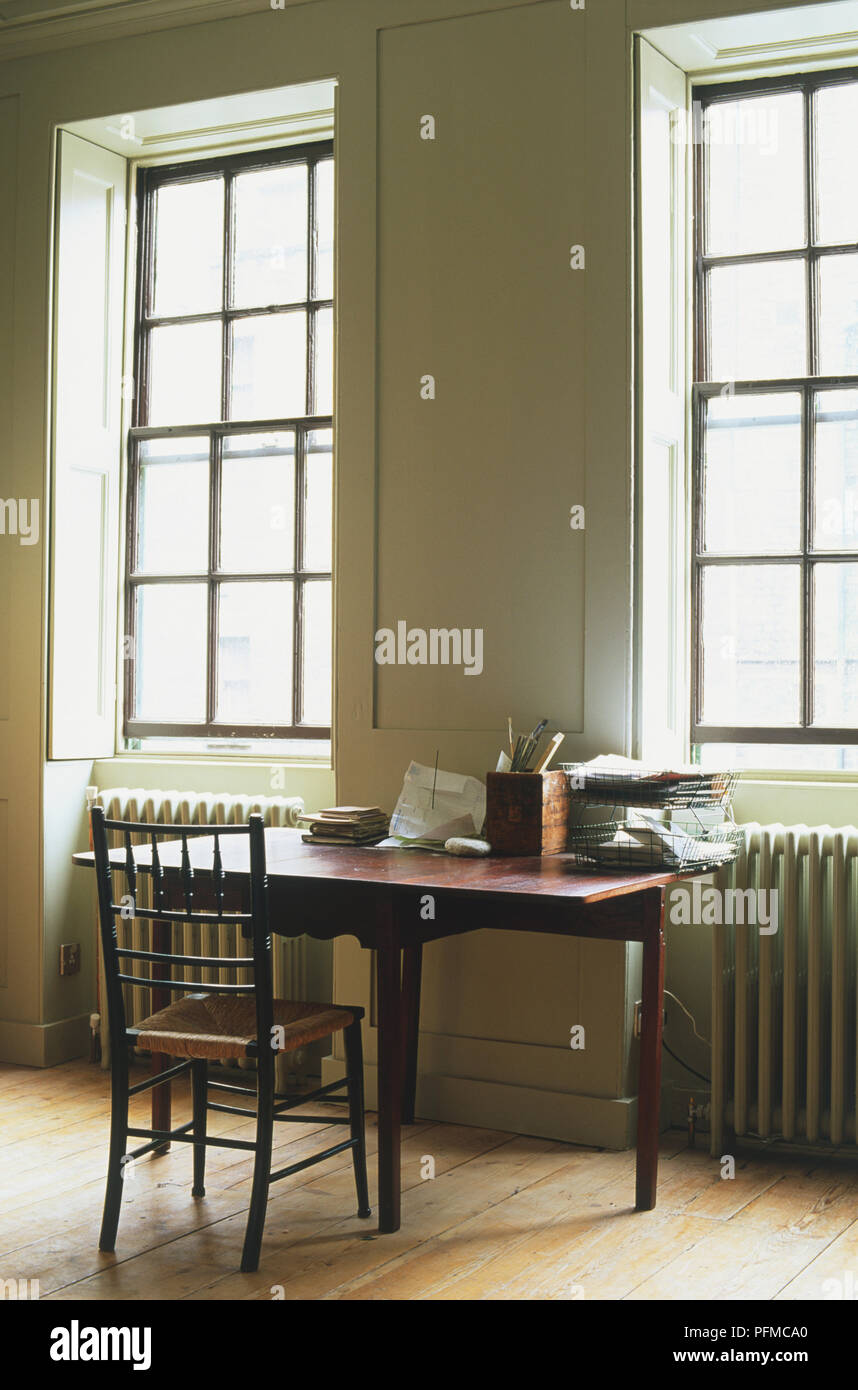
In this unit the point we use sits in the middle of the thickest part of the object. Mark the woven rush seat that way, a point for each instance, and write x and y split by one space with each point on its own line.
215 1026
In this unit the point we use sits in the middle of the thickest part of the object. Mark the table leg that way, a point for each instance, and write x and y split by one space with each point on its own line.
649 1086
388 965
412 969
160 998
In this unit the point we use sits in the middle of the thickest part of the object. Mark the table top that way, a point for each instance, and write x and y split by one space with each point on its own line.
553 876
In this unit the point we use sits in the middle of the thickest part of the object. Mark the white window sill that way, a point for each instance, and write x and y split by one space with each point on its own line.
218 774
225 759
815 780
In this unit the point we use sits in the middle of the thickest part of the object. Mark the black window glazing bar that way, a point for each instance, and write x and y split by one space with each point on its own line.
149 181
810 388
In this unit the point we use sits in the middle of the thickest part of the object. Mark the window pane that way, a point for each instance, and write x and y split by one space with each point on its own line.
838 315
826 757
184 374
188 248
325 229
317 652
837 193
319 501
254 653
835 470
173 506
835 593
243 360
751 644
757 321
270 237
171 652
752 473
324 365
755 160
257 526
269 367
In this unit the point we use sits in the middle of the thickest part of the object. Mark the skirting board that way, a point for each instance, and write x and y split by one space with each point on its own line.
44 1044
573 1119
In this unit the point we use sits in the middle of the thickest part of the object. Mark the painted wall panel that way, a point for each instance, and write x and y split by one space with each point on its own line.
476 291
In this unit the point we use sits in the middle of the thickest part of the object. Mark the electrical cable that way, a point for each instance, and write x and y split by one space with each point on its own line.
690 1016
699 1074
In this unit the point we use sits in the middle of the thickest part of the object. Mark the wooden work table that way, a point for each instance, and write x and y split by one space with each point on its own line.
376 896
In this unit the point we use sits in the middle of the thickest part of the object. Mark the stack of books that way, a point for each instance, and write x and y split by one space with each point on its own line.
345 825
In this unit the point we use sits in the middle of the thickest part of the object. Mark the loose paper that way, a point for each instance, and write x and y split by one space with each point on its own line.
459 806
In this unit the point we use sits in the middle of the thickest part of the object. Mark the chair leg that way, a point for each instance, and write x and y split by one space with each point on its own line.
116 1153
354 1074
262 1162
199 1089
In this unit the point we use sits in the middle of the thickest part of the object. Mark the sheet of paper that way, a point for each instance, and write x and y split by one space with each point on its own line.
457 806
619 766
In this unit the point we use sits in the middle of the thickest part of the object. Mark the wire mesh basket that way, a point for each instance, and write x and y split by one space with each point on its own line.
665 790
634 844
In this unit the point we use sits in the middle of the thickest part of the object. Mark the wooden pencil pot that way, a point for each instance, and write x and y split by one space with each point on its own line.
527 812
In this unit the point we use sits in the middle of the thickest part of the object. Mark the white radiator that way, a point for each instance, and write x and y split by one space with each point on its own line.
199 808
784 1016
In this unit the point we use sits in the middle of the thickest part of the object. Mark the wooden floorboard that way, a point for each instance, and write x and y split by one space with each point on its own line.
486 1215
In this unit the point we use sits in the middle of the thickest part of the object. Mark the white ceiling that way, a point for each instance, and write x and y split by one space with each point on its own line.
28 9
32 26
21 11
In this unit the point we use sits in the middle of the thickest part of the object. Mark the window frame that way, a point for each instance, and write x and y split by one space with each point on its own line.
149 179
806 556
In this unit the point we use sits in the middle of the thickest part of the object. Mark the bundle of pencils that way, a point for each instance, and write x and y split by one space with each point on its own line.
523 748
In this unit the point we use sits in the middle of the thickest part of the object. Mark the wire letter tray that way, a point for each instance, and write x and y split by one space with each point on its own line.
666 790
631 844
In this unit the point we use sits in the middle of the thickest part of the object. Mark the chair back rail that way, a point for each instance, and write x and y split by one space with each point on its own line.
174 892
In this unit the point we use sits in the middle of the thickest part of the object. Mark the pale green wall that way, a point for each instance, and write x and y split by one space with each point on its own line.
453 259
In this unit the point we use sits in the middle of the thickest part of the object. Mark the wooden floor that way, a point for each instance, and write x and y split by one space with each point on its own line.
505 1217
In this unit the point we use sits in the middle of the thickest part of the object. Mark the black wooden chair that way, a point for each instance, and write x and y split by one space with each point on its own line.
225 1021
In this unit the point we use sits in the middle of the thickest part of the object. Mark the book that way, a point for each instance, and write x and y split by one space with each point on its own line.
334 820
347 832
342 840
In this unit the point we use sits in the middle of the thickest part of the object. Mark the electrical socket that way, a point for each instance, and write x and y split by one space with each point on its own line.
70 958
637 1018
